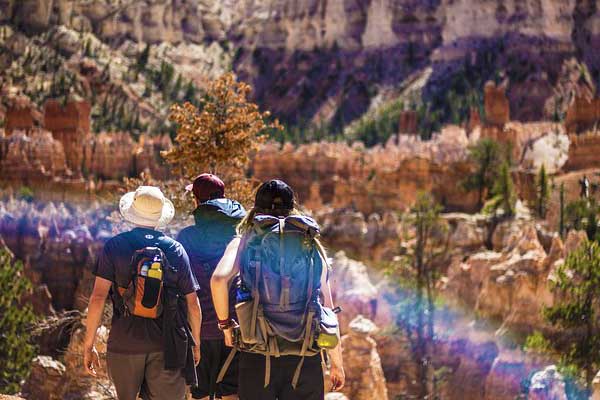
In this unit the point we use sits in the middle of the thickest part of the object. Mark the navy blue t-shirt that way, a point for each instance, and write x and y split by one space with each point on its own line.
131 334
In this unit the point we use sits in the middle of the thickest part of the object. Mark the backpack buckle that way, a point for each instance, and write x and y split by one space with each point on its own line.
286 284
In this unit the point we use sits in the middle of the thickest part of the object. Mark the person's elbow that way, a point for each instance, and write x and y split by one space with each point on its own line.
193 305
100 291
218 280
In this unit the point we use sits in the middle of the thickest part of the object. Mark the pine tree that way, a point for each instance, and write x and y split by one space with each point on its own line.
503 193
579 280
542 193
176 88
16 351
142 59
87 49
487 155
419 270
190 93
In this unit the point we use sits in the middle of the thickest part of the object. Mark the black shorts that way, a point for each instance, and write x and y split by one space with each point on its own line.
252 378
213 355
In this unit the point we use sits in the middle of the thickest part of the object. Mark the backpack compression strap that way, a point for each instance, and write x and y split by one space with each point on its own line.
309 319
255 296
284 300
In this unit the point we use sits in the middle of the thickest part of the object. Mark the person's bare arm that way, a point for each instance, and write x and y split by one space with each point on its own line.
91 361
226 270
195 320
338 376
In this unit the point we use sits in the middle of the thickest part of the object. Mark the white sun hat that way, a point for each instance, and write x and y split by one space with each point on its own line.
147 206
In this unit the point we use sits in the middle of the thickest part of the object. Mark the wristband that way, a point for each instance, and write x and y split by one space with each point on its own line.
225 324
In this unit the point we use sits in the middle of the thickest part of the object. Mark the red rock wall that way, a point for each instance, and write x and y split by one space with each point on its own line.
584 152
73 116
18 118
408 122
582 114
31 158
70 124
369 181
497 106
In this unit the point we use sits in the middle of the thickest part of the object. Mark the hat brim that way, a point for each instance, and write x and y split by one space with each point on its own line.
131 215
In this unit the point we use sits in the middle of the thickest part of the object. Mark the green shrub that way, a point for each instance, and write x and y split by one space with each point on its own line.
16 319
537 342
578 281
26 193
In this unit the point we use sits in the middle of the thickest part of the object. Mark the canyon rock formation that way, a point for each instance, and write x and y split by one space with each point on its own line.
47 379
31 155
323 61
348 45
377 179
364 374
548 384
509 283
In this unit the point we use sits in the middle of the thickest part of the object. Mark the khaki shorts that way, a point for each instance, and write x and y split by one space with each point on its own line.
144 374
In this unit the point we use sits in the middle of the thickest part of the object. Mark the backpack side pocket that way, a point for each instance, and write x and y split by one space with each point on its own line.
328 329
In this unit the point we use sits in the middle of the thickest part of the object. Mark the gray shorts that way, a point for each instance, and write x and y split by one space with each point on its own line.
144 374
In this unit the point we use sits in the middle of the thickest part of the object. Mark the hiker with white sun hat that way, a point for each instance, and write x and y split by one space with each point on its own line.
147 207
146 273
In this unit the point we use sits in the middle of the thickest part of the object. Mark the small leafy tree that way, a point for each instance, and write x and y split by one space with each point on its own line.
419 271
16 319
579 280
503 193
542 193
488 156
220 137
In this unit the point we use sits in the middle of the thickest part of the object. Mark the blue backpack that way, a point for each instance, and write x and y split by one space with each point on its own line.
280 312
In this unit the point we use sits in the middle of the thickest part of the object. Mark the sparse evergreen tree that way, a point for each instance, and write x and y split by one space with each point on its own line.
16 319
147 88
165 78
579 280
503 193
542 193
419 270
142 59
87 49
487 155
190 93
176 88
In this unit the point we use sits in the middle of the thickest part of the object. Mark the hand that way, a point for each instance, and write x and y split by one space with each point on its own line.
91 360
228 337
196 351
338 378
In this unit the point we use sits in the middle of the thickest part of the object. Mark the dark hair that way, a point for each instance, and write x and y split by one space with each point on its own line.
274 197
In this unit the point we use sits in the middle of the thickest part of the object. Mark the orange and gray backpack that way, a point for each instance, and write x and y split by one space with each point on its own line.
143 295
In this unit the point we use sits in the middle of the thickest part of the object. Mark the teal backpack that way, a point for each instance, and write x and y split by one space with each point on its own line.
280 268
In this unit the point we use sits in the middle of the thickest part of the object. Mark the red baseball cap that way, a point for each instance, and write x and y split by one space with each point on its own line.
207 187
